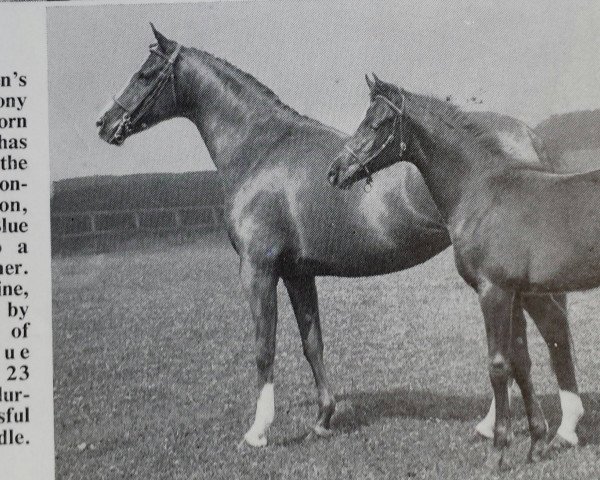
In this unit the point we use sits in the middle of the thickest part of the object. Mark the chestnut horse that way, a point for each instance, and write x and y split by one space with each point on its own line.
517 229
284 220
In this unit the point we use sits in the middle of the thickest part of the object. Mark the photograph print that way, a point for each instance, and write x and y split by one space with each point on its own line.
325 239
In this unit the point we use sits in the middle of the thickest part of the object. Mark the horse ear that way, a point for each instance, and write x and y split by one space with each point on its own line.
163 42
370 82
376 78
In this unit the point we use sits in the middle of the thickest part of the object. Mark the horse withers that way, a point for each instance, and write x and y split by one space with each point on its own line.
517 229
283 219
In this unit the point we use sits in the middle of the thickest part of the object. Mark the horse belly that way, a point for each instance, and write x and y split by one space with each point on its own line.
566 265
354 255
393 227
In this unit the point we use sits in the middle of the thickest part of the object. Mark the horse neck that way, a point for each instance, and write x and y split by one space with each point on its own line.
230 109
449 166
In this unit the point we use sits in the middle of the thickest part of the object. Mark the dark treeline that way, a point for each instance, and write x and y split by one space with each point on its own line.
574 138
140 191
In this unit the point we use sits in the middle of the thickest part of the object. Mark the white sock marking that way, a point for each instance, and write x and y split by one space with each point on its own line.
265 413
572 411
486 427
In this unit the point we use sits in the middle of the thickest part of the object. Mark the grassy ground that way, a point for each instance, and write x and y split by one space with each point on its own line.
154 374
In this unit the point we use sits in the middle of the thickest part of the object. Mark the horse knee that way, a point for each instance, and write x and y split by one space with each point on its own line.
499 368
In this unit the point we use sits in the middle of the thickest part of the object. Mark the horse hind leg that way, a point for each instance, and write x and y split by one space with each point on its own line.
303 295
550 316
260 287
521 364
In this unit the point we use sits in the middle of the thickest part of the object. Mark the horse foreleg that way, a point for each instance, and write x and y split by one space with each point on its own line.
260 287
496 305
550 316
521 363
485 428
303 295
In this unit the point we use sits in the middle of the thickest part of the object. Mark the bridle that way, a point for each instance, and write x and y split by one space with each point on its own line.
138 104
399 115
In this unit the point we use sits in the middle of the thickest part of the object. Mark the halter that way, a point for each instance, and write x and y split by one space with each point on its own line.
137 105
364 165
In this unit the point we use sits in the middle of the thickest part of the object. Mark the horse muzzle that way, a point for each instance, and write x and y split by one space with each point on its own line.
113 133
343 174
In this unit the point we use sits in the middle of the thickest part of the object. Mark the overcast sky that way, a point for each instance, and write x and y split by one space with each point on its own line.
528 59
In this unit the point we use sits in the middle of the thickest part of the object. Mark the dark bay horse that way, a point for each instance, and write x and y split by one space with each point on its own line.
517 228
283 219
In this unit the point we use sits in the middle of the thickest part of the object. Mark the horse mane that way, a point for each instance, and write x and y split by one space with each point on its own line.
443 116
259 87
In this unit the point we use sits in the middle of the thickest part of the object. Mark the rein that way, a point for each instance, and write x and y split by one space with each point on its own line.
137 106
364 165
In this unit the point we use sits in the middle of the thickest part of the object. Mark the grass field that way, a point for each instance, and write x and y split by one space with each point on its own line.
155 377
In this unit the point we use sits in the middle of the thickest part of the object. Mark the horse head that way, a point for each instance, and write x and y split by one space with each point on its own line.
379 141
148 98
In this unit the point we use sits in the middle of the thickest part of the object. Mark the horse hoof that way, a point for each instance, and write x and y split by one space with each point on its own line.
477 437
558 444
484 430
537 452
318 432
322 432
252 439
495 461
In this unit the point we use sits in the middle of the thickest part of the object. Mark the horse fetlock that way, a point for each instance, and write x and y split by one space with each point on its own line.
495 460
485 428
326 411
265 359
572 411
502 435
538 429
265 414
568 435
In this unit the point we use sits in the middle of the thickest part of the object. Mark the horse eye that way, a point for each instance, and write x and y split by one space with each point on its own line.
145 75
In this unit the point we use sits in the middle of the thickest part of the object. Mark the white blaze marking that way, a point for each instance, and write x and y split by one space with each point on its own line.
572 411
265 413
